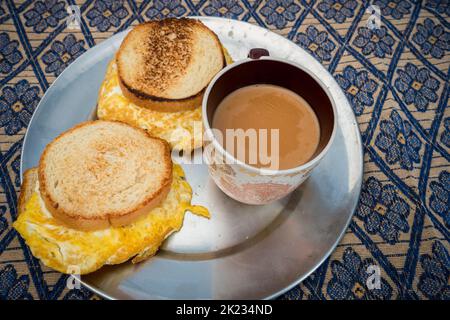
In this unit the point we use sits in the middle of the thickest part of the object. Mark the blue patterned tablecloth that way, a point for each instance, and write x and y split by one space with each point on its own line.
396 77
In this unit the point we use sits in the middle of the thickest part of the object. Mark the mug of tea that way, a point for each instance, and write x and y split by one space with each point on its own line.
268 122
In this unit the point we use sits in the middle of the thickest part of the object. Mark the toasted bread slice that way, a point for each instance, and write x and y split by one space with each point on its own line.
103 173
182 129
177 128
166 65
27 188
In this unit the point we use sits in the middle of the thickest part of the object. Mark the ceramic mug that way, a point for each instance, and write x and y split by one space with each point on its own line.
246 183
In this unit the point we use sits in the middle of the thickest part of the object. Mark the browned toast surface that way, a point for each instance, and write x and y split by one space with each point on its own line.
103 173
166 65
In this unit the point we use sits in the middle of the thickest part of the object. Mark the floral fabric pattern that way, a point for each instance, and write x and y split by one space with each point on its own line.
106 14
165 9
317 43
432 39
17 104
394 75
376 41
13 287
445 136
9 53
358 87
398 141
3 222
440 198
434 281
349 279
395 8
45 14
338 10
62 54
417 86
279 12
441 6
224 8
383 211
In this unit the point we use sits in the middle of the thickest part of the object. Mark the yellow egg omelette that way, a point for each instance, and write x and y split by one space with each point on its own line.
63 248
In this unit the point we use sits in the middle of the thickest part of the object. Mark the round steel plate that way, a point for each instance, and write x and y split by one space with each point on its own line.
243 252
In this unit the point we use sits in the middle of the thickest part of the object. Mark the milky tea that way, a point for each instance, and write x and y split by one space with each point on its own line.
267 126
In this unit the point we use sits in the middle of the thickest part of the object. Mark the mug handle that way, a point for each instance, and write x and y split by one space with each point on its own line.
257 53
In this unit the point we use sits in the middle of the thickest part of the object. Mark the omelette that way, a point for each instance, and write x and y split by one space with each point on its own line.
62 248
183 130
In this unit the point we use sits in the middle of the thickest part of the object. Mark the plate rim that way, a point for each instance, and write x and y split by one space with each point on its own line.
107 42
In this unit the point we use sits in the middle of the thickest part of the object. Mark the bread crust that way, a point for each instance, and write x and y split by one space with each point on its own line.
30 178
160 103
144 100
106 219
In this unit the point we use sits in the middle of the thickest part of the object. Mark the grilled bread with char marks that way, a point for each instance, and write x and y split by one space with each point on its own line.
166 65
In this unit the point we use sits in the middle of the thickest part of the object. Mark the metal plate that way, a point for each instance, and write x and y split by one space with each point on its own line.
243 252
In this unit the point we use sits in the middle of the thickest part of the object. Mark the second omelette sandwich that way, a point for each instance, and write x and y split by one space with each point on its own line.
104 192
158 76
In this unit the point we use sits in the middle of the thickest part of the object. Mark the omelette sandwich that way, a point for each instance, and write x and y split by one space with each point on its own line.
158 77
104 192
